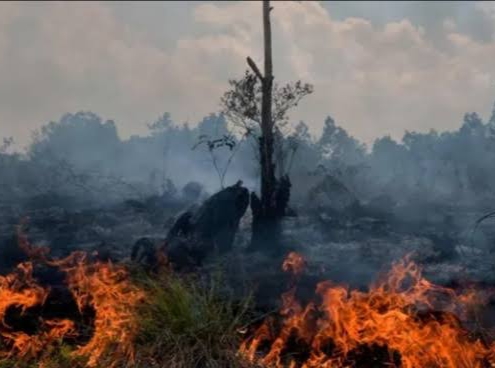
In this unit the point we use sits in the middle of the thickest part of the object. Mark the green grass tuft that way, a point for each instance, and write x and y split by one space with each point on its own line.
189 323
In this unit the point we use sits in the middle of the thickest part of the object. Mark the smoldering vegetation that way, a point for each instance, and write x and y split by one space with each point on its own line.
353 209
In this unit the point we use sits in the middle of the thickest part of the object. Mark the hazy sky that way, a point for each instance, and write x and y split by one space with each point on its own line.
377 67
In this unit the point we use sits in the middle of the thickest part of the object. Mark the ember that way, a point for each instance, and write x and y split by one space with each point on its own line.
100 287
402 321
294 263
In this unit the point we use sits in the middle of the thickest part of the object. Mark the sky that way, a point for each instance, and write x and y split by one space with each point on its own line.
378 68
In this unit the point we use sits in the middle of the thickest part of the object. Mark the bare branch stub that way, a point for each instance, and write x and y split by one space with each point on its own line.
255 68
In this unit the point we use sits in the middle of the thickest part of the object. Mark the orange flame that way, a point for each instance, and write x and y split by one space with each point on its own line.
105 287
19 289
419 325
294 263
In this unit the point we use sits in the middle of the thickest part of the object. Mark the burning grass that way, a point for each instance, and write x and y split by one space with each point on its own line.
402 321
84 313
99 314
101 296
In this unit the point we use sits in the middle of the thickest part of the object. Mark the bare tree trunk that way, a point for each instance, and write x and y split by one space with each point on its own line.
266 211
266 139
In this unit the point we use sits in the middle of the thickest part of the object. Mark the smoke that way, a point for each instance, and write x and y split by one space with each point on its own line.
426 184
82 156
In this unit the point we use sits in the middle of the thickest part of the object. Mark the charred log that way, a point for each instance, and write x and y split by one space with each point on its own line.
207 228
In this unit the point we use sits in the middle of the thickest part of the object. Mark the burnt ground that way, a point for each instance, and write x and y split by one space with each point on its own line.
350 247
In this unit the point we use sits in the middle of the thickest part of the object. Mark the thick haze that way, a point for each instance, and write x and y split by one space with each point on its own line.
378 67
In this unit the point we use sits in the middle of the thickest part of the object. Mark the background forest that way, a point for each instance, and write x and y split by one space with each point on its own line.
82 160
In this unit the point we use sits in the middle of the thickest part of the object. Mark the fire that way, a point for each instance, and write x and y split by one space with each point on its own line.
403 317
102 286
106 288
294 263
20 290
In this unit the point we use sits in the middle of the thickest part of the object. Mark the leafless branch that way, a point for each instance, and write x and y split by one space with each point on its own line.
255 68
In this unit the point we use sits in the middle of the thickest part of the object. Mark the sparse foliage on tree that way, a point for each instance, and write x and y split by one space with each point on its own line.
241 105
260 107
227 141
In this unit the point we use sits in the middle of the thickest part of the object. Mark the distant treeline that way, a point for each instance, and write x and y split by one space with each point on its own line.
82 157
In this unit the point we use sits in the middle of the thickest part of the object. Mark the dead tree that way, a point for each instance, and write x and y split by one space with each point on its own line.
257 104
265 220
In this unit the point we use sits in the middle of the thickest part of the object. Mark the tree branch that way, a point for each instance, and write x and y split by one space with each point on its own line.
253 66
